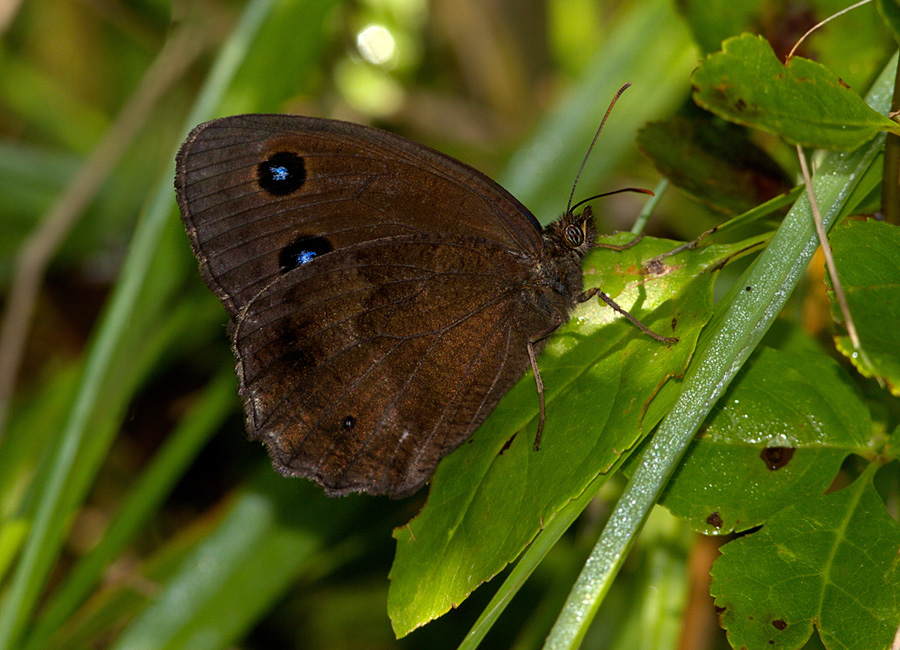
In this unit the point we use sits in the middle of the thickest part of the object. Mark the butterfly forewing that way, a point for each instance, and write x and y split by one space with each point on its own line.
251 186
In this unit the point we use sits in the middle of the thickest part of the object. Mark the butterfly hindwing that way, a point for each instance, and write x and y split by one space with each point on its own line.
364 367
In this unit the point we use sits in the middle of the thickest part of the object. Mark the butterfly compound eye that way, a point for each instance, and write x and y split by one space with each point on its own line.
574 236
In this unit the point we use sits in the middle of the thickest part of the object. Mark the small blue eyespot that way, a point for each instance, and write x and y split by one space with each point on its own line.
279 173
305 257
303 250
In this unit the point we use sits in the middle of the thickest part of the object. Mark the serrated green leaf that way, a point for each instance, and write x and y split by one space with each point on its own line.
491 497
852 46
803 102
714 162
828 562
867 256
763 449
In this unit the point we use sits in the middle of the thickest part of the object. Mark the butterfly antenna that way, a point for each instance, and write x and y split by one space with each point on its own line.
600 196
593 142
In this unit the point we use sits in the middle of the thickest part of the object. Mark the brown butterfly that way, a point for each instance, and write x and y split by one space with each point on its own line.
383 296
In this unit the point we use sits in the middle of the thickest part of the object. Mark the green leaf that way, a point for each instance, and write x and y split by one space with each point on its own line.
762 448
803 102
867 256
305 42
828 561
80 446
712 21
740 321
854 45
646 609
714 162
492 496
29 92
257 550
890 11
141 502
541 172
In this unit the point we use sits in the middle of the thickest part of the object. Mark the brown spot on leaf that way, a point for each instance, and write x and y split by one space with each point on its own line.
779 624
714 520
508 444
655 267
776 457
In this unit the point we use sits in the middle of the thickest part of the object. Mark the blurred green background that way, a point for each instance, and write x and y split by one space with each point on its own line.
117 393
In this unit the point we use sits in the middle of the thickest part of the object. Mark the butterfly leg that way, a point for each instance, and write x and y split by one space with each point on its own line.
532 357
590 293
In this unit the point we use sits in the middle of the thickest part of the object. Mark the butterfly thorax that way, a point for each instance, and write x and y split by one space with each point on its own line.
557 279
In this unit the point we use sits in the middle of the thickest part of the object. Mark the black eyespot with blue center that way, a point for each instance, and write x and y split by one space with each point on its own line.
281 173
302 250
348 423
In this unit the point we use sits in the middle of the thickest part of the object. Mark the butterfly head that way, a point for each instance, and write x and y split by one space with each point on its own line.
557 274
572 235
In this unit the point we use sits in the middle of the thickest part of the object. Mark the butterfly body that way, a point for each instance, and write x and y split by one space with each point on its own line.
383 296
